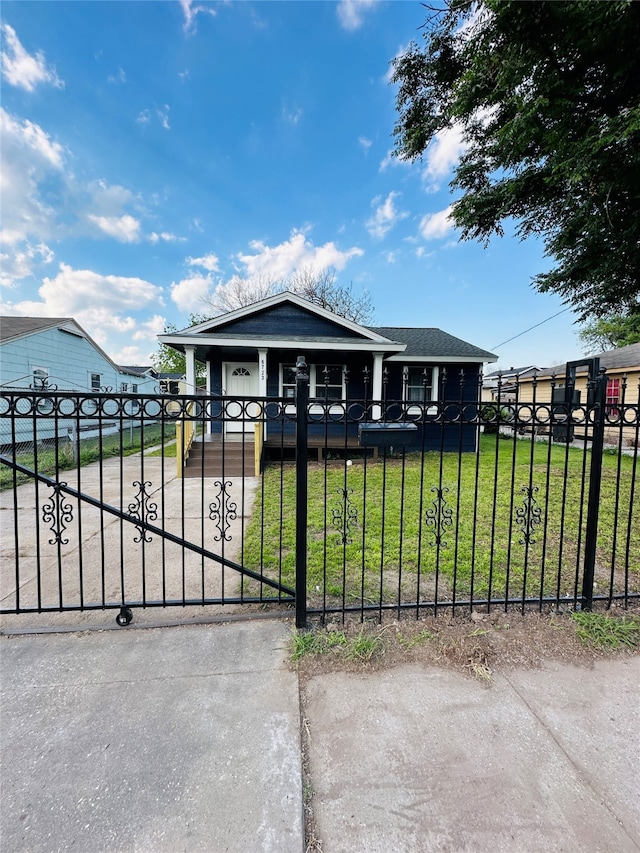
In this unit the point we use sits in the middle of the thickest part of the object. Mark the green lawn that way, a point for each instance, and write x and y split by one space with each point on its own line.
91 450
482 551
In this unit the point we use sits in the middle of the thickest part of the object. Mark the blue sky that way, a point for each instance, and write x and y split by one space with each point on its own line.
153 151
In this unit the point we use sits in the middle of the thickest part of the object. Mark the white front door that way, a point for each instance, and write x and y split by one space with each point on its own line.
241 381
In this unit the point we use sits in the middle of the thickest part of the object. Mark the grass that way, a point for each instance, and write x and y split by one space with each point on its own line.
362 647
49 460
392 552
602 631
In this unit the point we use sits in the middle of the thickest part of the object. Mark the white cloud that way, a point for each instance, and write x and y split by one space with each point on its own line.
20 68
364 143
28 159
297 253
189 293
100 303
385 217
165 237
125 229
31 138
435 226
390 159
443 154
191 10
149 329
163 115
22 262
209 262
399 53
351 13
292 115
120 77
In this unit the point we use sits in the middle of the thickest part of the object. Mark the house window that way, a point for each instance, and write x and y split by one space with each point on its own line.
124 387
95 381
613 396
40 378
415 389
241 371
167 386
288 380
326 381
134 389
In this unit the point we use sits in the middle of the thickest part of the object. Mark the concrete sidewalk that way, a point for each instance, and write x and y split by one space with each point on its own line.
188 739
176 739
423 759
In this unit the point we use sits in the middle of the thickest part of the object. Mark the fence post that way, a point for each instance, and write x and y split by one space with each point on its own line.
595 478
302 399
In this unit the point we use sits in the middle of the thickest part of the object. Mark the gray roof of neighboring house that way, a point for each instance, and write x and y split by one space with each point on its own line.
511 372
17 327
140 371
431 341
615 359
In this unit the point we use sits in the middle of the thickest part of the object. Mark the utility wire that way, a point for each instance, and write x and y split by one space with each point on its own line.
520 334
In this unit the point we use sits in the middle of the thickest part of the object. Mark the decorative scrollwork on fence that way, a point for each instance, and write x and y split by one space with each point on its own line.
223 511
142 509
529 515
440 516
58 514
345 517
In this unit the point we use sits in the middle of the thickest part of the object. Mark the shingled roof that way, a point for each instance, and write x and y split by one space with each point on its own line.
18 327
433 343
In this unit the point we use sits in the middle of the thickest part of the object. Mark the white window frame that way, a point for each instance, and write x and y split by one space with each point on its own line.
40 374
91 380
435 382
315 371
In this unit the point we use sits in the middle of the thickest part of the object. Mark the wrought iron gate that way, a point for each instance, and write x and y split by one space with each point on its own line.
413 506
95 516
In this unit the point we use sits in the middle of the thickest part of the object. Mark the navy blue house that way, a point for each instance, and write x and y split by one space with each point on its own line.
252 352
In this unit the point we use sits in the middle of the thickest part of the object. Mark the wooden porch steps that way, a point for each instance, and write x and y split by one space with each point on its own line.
215 458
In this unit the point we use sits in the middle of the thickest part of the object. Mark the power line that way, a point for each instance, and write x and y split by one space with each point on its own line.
520 334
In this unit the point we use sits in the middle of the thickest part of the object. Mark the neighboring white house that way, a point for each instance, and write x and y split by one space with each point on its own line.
57 354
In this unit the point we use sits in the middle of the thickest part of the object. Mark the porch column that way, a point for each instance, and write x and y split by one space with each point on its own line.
208 390
190 355
376 384
262 381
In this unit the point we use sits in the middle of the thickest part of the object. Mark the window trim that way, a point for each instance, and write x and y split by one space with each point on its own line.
612 396
314 370
92 377
415 406
44 378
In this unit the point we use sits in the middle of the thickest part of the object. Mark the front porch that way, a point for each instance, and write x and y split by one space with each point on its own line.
235 455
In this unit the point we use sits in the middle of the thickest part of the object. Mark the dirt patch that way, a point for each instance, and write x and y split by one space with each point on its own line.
475 644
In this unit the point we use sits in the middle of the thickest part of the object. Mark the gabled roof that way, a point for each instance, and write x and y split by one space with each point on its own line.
622 358
511 373
12 328
398 343
432 344
278 299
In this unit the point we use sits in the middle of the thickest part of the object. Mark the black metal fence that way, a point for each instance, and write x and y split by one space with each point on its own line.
414 505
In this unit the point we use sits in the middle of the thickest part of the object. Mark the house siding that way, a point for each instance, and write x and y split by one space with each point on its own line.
70 360
286 319
435 437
